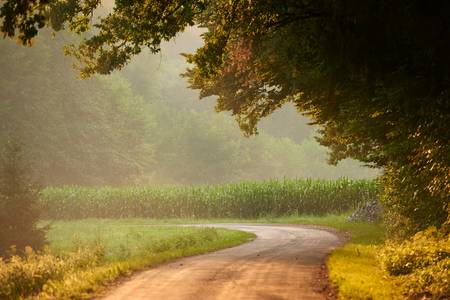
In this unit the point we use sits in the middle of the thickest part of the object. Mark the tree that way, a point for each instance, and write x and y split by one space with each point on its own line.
19 210
87 132
374 74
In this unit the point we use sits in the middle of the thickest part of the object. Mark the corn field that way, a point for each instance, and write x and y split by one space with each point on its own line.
239 200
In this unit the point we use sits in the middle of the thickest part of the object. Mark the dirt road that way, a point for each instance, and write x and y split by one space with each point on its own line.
281 263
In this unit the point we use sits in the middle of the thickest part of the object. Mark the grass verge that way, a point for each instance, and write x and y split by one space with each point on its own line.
354 268
85 255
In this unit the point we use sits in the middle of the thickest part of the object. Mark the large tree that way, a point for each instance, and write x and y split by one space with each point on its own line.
374 74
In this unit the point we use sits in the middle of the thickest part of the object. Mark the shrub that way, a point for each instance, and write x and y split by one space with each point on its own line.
421 263
431 282
410 205
19 209
26 275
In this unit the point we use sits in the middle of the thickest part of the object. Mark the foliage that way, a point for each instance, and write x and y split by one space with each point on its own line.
240 200
139 127
73 131
375 74
19 208
411 207
356 74
26 276
195 146
422 264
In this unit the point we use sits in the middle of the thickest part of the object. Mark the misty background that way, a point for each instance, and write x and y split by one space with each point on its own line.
143 125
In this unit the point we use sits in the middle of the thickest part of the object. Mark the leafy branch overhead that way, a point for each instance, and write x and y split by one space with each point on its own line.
118 35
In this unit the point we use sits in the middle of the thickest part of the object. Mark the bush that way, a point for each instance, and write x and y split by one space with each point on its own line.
19 209
410 203
27 275
421 263
431 282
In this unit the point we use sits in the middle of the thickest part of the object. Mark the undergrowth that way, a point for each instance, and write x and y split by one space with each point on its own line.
421 264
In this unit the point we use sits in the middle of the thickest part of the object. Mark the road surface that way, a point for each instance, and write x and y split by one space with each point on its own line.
283 262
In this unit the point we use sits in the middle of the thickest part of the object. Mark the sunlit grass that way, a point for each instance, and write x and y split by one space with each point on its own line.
128 238
356 272
128 245
121 238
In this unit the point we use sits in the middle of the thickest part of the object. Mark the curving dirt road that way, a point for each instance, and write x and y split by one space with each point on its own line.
281 263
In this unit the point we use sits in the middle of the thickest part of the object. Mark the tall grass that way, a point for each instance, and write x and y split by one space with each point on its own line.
240 200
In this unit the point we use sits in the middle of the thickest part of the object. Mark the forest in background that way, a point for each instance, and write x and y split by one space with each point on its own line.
142 125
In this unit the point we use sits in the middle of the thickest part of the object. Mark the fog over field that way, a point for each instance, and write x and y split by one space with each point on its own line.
143 125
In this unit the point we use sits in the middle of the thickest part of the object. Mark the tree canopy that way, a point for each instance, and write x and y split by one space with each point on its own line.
374 74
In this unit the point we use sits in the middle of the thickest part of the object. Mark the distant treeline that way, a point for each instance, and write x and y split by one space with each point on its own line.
140 126
240 200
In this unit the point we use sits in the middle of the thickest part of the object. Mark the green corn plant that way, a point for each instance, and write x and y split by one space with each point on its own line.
236 200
